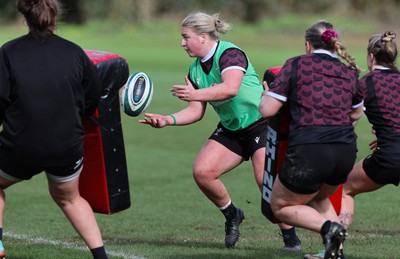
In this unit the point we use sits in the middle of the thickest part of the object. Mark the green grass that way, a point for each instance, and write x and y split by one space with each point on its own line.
170 217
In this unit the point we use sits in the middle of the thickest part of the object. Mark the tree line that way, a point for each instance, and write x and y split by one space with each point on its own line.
249 11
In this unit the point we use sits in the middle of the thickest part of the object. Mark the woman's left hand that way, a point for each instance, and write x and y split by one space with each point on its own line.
184 92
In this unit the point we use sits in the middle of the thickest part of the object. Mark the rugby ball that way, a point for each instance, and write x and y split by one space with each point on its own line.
136 94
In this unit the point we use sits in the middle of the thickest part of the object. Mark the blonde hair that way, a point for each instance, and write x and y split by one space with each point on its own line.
384 48
321 35
201 22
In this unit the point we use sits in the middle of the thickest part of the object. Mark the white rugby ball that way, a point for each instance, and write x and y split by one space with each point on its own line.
136 94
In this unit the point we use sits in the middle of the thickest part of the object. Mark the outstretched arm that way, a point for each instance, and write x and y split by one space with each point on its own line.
191 114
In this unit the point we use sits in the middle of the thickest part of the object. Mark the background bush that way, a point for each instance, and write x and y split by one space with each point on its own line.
250 11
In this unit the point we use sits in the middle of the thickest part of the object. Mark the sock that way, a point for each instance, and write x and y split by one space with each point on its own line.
325 227
341 254
1 234
99 253
229 211
288 233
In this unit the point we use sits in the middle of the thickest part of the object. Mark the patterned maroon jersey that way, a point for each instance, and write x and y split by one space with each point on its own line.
321 92
382 101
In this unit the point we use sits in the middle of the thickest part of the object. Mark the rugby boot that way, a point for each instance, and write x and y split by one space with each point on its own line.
333 240
232 229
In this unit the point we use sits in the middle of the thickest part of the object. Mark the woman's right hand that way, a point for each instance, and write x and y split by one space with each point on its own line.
155 120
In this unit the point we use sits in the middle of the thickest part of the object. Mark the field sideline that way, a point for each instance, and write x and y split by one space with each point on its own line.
170 217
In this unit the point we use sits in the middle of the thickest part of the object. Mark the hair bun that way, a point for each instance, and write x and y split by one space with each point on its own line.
388 36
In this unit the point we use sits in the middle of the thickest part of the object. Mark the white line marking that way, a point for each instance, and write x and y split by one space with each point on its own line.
40 240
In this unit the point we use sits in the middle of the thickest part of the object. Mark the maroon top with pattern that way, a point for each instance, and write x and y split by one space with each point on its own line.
229 58
321 92
382 103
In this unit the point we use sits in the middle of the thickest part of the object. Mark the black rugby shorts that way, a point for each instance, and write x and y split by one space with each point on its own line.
382 170
243 142
306 167
17 172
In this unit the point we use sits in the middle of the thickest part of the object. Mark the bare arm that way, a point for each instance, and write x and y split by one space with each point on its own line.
269 105
356 114
191 114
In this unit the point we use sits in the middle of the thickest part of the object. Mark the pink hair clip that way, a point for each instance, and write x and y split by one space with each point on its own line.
328 34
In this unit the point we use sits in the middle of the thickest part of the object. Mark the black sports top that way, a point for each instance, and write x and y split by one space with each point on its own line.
45 89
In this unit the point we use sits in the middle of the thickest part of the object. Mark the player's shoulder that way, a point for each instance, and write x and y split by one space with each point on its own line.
66 43
14 42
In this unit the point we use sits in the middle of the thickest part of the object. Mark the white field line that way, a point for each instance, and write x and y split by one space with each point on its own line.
41 240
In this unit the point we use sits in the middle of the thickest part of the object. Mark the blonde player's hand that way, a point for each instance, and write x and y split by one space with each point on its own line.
155 120
184 92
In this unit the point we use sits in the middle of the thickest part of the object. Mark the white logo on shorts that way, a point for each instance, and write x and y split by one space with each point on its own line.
257 139
78 163
219 130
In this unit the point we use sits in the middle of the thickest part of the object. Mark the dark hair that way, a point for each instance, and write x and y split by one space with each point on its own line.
384 49
40 15
321 35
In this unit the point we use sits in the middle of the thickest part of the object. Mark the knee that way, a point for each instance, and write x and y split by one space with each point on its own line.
349 190
59 200
276 208
199 175
203 175
63 200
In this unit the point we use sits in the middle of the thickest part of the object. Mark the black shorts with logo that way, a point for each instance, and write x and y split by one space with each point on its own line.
306 167
382 170
17 172
243 142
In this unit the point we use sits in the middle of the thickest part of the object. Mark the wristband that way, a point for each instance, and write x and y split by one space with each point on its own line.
173 117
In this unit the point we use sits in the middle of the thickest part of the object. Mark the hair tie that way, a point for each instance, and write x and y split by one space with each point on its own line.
328 34
388 36
217 23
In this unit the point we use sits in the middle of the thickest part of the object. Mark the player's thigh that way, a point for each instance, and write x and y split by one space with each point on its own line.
64 191
281 196
258 162
325 191
358 181
216 159
63 181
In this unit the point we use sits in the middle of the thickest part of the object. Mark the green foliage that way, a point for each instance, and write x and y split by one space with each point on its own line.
250 11
170 217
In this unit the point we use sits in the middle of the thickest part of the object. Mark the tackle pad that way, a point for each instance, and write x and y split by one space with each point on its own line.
104 178
276 146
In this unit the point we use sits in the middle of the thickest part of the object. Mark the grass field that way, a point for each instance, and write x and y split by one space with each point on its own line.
170 217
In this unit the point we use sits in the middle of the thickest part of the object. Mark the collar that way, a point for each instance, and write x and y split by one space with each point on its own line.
381 68
323 51
211 53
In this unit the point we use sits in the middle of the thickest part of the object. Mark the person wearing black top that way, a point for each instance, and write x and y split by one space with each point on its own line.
324 100
382 108
47 85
